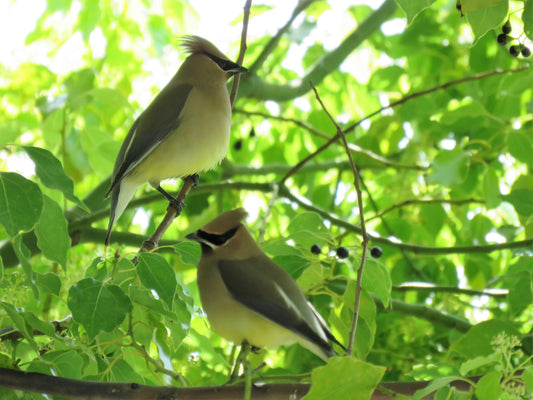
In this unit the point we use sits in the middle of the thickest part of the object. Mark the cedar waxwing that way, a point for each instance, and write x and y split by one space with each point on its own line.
185 130
247 296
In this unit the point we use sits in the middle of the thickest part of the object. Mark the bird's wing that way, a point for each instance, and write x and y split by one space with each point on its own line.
160 119
257 291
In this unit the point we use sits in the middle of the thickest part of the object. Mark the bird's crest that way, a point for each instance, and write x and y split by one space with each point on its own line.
225 221
193 44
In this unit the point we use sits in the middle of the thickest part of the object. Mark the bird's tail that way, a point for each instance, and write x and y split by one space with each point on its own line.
120 197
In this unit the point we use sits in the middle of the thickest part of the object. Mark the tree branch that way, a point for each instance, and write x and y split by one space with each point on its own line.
427 313
254 87
88 390
273 42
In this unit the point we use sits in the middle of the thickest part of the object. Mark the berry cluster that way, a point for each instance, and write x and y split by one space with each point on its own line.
342 252
514 49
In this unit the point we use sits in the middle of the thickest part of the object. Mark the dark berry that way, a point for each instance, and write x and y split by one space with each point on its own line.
458 6
342 252
526 52
514 51
376 252
506 28
315 249
252 132
502 38
238 145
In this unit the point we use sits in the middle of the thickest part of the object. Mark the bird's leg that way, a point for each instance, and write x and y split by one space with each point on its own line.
195 178
178 205
255 349
240 360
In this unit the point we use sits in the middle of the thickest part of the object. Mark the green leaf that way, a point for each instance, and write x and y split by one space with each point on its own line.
58 5
145 298
156 274
52 232
527 18
124 273
521 293
312 275
50 171
100 149
34 322
189 252
477 362
477 341
488 387
23 256
21 203
48 283
527 376
79 83
449 168
436 384
486 19
412 8
88 18
344 378
159 31
98 306
307 229
366 327
474 5
521 147
20 323
67 363
294 265
521 201
377 280
491 188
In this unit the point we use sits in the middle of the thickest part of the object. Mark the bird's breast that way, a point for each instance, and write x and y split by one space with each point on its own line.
199 143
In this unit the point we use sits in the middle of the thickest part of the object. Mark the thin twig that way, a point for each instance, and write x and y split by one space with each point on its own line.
424 201
297 167
242 51
273 198
425 287
157 364
353 147
405 99
366 239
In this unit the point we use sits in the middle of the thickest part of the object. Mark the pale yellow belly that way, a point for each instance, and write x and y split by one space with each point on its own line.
200 142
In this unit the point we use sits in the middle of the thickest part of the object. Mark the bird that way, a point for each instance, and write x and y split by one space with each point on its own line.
247 297
185 129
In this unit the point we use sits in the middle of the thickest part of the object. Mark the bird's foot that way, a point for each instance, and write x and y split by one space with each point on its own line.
195 178
176 204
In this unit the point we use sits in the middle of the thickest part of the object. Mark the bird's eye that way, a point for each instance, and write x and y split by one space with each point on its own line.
217 240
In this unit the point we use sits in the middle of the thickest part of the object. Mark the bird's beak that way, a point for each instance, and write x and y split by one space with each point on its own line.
193 236
237 70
